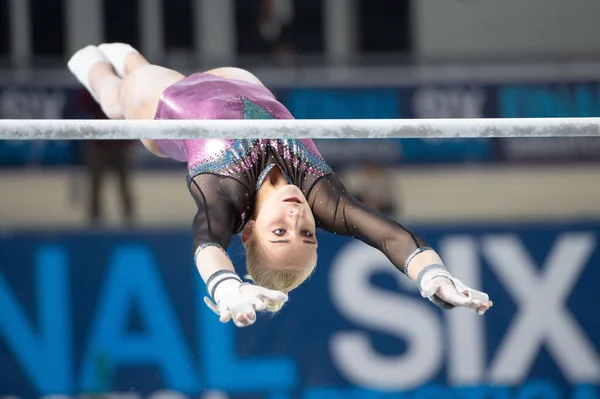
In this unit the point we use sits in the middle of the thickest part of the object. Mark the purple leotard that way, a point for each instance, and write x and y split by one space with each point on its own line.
224 175
206 96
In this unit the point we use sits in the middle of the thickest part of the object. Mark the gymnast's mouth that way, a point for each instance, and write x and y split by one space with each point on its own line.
293 200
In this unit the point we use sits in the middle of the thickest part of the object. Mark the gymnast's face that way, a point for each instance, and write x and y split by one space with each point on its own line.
284 230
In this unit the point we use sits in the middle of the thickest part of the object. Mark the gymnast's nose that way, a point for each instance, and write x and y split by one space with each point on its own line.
294 210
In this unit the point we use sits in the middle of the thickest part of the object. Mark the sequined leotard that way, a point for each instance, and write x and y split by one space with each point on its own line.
224 175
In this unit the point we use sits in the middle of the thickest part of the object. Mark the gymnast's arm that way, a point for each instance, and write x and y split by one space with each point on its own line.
338 212
212 230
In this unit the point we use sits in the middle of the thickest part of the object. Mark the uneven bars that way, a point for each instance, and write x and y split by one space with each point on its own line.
55 129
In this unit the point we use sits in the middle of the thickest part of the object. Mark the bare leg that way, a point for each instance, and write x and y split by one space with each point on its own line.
143 84
107 86
134 61
136 95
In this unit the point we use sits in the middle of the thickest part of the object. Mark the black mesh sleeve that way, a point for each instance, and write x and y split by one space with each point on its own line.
338 212
217 216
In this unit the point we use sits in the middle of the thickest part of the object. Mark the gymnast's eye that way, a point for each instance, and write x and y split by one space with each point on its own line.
307 233
279 232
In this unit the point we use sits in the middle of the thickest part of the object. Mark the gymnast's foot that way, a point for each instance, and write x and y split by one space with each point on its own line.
81 64
117 54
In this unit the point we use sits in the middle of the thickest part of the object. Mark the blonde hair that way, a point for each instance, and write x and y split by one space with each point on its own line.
284 280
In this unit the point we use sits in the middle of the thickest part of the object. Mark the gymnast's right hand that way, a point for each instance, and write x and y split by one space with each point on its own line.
240 301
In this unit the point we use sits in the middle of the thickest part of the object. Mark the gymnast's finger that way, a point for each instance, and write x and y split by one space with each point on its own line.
271 295
452 296
484 308
244 319
258 305
225 316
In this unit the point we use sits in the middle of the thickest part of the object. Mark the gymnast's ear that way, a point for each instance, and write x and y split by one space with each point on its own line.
248 231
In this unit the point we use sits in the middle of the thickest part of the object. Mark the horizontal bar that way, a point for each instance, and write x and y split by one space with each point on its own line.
52 129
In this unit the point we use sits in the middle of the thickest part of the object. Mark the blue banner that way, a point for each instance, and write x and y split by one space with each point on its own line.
122 313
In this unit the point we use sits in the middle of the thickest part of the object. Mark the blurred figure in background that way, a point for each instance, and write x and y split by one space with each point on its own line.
275 24
102 156
268 29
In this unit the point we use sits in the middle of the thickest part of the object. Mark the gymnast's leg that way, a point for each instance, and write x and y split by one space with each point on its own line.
124 83
97 75
143 84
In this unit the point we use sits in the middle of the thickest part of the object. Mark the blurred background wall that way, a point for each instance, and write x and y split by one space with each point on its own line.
507 29
98 292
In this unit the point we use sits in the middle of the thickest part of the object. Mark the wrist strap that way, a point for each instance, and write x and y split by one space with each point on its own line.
412 255
429 268
438 271
206 245
217 278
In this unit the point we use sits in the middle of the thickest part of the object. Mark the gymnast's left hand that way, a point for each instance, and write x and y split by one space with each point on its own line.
448 292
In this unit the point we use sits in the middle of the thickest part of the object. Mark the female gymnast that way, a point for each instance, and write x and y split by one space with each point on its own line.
274 192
